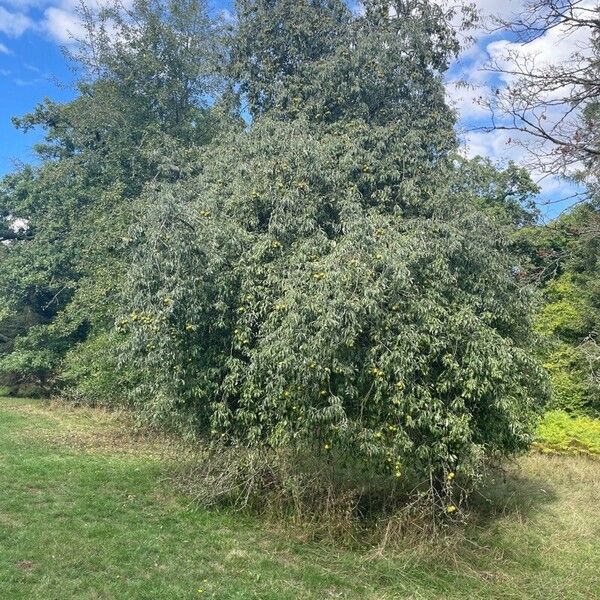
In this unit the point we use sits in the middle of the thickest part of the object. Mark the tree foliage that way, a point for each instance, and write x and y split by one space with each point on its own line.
326 281
281 305
552 105
567 264
141 112
327 275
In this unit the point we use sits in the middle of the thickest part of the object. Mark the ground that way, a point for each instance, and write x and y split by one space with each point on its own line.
88 512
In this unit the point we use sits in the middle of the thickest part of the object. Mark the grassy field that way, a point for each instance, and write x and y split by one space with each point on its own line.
86 511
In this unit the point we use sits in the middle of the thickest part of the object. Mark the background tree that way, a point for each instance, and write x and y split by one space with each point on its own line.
141 111
553 106
564 263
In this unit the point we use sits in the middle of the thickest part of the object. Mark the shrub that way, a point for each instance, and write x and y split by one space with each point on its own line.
562 433
90 373
328 496
281 301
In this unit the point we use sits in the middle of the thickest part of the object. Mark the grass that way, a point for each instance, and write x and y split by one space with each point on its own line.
87 512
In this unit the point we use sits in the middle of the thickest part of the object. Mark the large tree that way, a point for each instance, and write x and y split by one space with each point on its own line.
142 108
327 280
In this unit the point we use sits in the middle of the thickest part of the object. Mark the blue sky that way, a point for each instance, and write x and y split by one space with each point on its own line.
32 67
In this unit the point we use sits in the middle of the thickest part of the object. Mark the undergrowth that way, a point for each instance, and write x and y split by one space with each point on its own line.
562 433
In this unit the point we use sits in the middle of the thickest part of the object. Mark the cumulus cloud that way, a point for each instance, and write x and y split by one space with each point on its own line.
57 19
62 22
466 99
504 9
555 47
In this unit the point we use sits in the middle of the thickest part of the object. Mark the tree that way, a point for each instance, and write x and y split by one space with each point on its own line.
316 60
324 281
567 265
328 276
276 44
141 112
553 106
507 195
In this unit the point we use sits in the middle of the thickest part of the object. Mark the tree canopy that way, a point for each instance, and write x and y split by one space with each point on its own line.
263 233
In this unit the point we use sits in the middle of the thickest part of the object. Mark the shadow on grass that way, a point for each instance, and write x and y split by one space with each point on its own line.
512 491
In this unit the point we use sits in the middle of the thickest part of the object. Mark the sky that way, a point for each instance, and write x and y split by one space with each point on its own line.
33 34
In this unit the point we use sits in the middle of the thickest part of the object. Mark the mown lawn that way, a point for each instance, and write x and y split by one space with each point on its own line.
86 511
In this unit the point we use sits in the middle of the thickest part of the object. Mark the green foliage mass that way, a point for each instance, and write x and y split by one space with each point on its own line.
284 305
565 259
328 274
326 282
562 433
142 102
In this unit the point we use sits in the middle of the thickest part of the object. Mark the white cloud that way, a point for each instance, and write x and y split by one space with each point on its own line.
495 145
556 46
59 19
553 48
504 9
14 24
466 98
24 4
4 49
62 24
